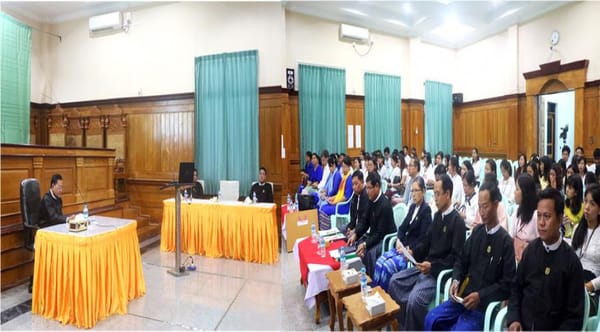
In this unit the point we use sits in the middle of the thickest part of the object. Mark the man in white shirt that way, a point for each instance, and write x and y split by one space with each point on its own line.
326 171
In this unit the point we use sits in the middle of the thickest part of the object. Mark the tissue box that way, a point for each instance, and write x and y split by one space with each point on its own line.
375 304
78 224
350 276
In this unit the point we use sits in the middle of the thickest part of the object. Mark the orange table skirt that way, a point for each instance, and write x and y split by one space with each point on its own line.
230 230
81 280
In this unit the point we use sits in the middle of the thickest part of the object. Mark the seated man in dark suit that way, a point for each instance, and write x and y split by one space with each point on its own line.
262 189
51 205
547 293
381 223
359 210
197 190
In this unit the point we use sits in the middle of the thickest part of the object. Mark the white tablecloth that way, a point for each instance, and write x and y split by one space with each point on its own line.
316 279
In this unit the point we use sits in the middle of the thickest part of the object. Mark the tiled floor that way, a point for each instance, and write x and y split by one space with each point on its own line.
221 295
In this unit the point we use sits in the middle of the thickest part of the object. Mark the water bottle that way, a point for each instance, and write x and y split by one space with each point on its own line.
254 199
289 202
220 196
86 213
363 283
186 196
342 259
296 203
313 233
322 247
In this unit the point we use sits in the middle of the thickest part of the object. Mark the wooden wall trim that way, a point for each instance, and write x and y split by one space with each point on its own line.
555 67
53 151
489 100
592 84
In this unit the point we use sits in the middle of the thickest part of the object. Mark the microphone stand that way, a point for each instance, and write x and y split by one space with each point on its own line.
177 271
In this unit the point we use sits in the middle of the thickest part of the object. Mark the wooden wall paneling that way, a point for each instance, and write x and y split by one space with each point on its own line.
417 129
291 150
591 124
355 116
270 130
85 170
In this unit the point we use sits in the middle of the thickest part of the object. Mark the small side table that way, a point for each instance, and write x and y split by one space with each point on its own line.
359 316
337 291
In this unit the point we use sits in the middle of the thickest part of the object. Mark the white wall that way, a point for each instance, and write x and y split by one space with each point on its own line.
315 41
157 55
488 68
578 25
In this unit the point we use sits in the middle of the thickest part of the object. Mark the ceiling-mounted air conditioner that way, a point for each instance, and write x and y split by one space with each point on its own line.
354 34
106 22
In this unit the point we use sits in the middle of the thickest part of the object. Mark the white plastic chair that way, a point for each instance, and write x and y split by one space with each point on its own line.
230 190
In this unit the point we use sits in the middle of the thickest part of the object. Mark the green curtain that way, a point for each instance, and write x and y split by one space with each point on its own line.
322 108
383 120
226 119
438 117
15 80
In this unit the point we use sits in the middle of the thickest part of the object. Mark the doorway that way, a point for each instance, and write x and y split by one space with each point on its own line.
556 123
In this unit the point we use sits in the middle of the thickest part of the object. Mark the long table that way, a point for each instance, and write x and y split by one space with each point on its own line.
223 229
81 278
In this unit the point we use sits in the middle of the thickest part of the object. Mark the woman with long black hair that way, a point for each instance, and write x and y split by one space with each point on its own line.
524 219
586 243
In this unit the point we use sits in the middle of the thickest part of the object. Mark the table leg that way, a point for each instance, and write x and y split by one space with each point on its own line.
349 323
340 313
395 325
331 310
317 310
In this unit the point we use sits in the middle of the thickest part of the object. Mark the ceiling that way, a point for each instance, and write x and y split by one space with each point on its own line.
445 23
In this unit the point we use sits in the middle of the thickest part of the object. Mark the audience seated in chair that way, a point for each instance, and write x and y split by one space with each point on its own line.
413 289
586 243
343 193
359 209
469 208
502 214
262 188
411 232
573 204
546 293
482 272
331 183
381 222
524 219
314 177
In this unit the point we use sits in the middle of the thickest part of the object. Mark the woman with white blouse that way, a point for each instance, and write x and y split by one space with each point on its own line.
507 184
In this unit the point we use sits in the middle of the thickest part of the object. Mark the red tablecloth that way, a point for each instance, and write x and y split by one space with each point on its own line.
307 252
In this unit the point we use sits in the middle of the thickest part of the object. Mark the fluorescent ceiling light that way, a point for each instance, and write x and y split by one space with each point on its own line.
453 30
354 11
421 20
509 12
445 2
407 7
396 22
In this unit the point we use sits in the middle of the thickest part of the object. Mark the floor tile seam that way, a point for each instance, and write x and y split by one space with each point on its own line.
24 303
205 272
230 305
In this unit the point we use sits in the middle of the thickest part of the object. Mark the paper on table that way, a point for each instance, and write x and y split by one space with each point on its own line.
335 253
407 254
457 299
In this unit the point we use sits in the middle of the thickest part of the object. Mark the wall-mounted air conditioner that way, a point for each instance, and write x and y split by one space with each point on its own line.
354 34
106 22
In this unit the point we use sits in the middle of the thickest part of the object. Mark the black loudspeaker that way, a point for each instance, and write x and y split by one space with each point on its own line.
457 98
291 79
306 202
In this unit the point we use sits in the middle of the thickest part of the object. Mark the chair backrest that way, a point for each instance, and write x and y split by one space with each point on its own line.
30 208
203 186
230 190
400 211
